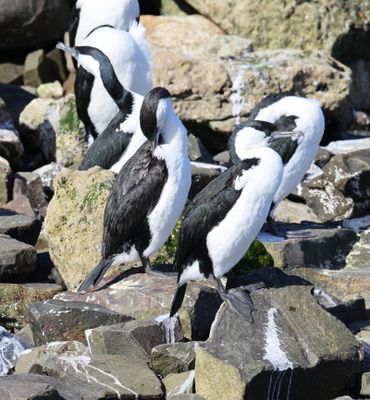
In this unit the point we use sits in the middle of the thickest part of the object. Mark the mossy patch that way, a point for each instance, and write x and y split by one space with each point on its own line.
168 252
256 257
90 199
69 121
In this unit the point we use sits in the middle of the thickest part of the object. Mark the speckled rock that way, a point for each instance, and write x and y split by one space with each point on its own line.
5 172
94 377
173 358
53 128
342 32
145 295
74 222
359 255
180 383
215 80
15 297
47 174
279 350
51 90
53 320
133 339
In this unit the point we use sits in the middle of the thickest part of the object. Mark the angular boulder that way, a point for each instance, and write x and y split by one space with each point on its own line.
53 320
181 383
215 80
10 349
19 226
74 222
292 343
4 177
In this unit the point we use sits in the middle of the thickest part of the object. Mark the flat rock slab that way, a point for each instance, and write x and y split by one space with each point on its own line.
17 259
292 343
327 249
173 358
15 297
53 320
35 387
147 295
345 284
134 339
181 383
10 349
19 226
94 377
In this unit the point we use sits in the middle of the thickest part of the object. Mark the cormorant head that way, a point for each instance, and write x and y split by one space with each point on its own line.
256 134
153 114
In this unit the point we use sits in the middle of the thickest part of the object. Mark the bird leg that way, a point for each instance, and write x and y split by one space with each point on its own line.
146 264
238 298
156 271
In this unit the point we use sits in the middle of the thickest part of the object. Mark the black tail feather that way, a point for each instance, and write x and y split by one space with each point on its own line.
95 276
178 299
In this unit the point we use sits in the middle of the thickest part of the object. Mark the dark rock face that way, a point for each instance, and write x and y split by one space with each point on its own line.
32 23
54 320
17 260
280 350
20 227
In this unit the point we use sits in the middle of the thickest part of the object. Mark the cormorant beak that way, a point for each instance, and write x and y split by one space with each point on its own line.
293 135
70 50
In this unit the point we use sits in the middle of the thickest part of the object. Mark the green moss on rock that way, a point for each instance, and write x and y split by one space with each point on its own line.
256 257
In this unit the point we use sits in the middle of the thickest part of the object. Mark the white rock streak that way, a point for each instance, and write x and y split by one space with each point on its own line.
273 352
10 349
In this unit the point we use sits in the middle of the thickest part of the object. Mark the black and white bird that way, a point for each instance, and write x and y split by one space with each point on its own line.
221 222
89 14
149 194
288 113
129 55
123 136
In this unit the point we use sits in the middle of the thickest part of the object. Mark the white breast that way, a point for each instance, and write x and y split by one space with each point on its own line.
175 191
230 239
312 123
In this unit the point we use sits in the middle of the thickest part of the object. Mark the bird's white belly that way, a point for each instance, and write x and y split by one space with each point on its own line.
102 109
172 200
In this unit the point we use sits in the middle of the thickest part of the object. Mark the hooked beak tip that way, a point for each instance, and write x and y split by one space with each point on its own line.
70 50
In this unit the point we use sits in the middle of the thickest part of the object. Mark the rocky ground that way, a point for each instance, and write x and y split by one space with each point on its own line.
311 334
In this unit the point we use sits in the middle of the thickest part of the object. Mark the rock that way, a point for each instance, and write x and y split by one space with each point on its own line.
173 358
345 284
17 260
94 377
29 184
179 383
294 213
202 174
222 158
25 335
284 349
53 128
145 295
240 79
361 84
10 349
74 222
47 174
350 311
52 90
343 32
348 146
188 396
327 249
197 150
32 23
5 172
37 69
11 73
53 320
342 191
35 387
357 224
323 156
358 257
15 297
365 384
20 203
20 227
57 63
134 339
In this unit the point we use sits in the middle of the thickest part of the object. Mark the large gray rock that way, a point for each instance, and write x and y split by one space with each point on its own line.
32 23
145 295
328 248
284 350
342 32
53 320
47 173
134 339
215 80
11 147
17 260
35 387
74 222
4 178
94 377
343 189
10 349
